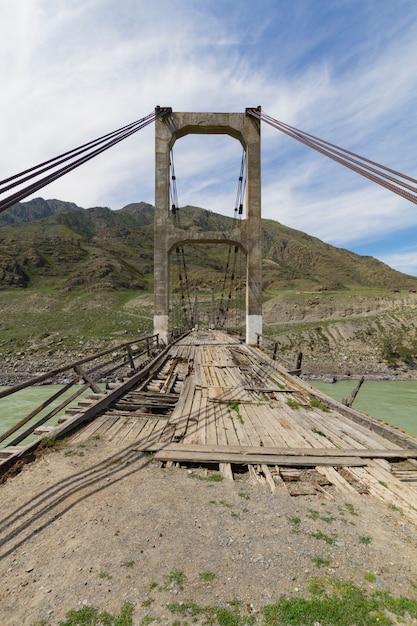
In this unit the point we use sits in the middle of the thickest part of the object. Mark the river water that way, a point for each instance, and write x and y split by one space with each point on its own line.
17 406
394 402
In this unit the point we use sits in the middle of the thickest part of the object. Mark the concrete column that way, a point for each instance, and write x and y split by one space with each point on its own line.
245 129
161 253
254 230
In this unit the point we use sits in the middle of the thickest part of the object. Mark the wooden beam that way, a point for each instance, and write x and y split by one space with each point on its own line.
268 451
255 459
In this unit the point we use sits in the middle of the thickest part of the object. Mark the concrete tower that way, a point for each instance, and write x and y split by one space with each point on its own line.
245 129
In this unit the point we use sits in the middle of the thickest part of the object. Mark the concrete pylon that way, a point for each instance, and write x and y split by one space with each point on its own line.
243 128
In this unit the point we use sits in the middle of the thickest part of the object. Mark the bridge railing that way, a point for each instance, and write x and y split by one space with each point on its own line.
88 373
271 346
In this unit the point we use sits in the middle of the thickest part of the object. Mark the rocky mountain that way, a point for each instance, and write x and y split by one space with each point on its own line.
58 244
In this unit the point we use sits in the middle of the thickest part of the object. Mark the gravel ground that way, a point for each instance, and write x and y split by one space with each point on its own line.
91 525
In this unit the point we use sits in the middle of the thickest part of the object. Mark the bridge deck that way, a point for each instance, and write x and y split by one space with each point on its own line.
218 401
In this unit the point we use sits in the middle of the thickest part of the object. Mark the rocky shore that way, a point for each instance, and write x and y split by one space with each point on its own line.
22 367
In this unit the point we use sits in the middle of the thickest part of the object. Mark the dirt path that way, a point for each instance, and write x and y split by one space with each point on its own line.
91 525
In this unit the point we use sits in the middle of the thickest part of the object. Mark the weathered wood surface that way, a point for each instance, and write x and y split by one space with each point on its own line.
216 400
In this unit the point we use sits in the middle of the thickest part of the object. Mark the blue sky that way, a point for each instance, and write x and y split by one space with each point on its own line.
344 70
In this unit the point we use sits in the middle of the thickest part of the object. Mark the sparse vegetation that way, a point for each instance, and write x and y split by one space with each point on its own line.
365 540
318 534
210 478
350 508
293 403
89 616
234 410
329 602
176 578
320 561
316 404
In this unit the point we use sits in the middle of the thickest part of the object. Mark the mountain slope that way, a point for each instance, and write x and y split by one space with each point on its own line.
58 244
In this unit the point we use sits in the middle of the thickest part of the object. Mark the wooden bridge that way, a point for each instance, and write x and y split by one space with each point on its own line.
212 401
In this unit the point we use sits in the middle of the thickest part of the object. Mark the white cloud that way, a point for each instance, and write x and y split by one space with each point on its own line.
405 262
73 70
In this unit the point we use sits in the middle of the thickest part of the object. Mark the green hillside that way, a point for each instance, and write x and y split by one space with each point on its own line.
74 280
57 245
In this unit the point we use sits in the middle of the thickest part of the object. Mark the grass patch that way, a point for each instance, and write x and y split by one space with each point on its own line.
316 404
323 537
319 561
211 478
53 442
207 576
176 578
105 575
243 495
213 615
89 616
345 605
370 577
365 539
318 432
394 507
350 508
329 603
128 564
226 504
312 514
234 406
293 404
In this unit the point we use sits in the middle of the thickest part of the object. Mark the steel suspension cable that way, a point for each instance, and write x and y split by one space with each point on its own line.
378 174
185 295
92 149
229 278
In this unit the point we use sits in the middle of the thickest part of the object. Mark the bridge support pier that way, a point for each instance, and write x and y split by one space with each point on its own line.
246 129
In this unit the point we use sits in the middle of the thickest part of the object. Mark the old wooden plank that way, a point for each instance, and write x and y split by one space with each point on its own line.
112 433
210 422
268 477
245 424
227 433
195 423
255 476
253 459
280 451
251 415
182 408
270 423
226 471
336 479
134 432
144 439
